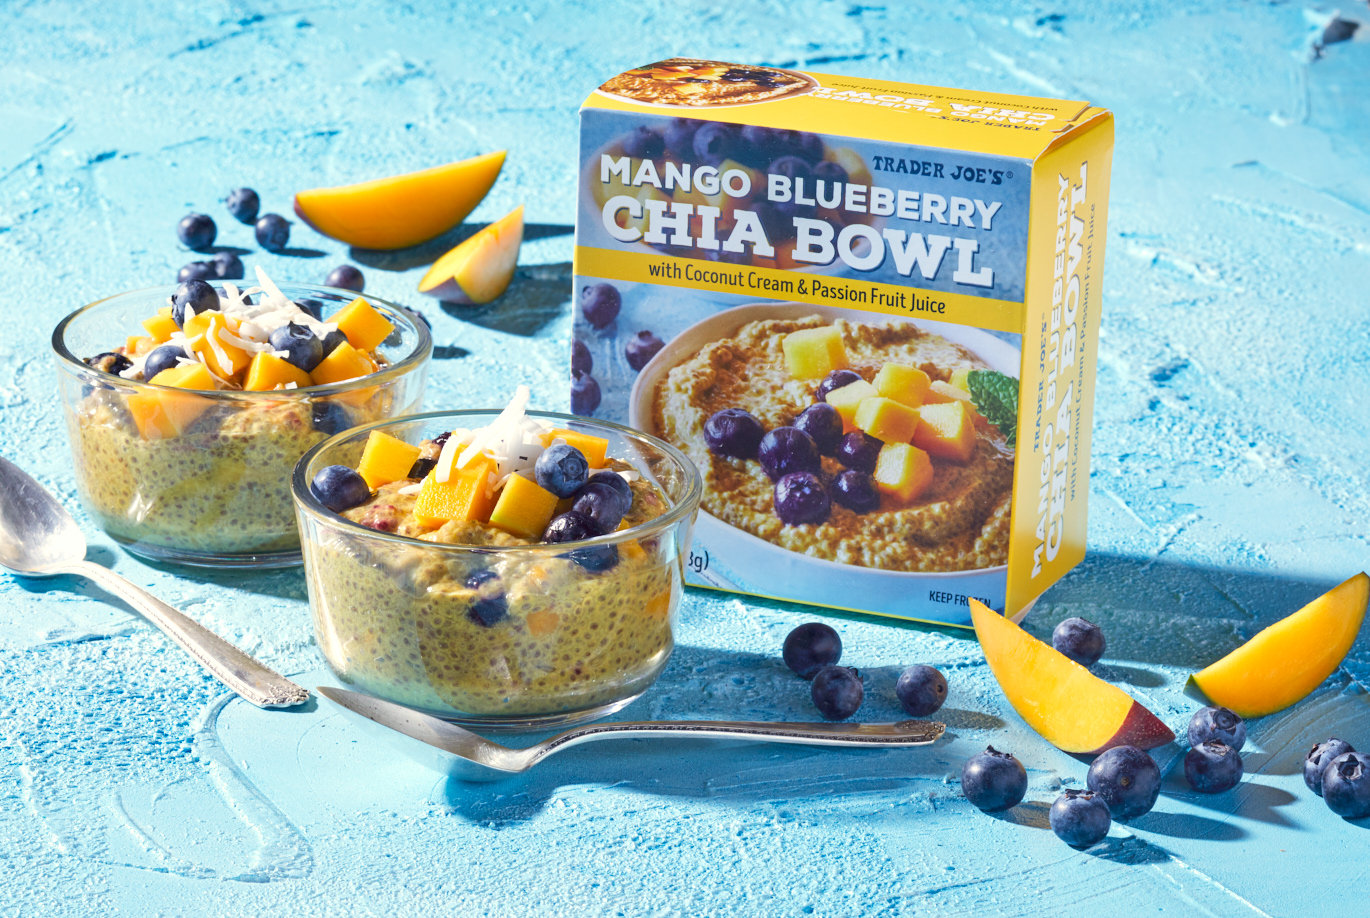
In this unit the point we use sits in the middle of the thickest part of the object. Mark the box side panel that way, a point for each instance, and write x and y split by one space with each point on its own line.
1065 276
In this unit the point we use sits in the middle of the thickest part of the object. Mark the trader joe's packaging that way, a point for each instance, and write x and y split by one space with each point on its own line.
868 311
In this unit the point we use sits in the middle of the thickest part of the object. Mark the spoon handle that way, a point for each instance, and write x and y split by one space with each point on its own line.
251 680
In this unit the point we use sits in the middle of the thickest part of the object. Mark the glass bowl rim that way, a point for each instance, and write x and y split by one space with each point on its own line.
306 501
423 348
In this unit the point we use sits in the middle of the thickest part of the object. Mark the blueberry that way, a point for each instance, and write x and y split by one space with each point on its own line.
162 358
1080 818
196 231
601 505
800 498
823 424
581 361
243 204
993 780
331 417
679 137
596 559
1346 785
1318 758
921 690
859 451
837 692
570 526
714 142
1217 724
856 491
641 348
273 232
490 606
109 362
585 393
616 483
1081 640
195 295
345 277
600 304
332 340
810 647
757 145
792 167
228 266
835 380
339 488
805 145
195 270
1212 767
311 306
829 171
421 467
644 143
785 450
1128 780
301 346
561 469
733 433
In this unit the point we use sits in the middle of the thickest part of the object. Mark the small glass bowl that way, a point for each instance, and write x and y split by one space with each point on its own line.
394 615
219 494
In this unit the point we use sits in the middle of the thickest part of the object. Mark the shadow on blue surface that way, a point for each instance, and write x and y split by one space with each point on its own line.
425 253
537 297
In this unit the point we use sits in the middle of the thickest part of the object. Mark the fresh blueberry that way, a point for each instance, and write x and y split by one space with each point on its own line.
1212 767
1080 818
196 231
330 417
733 433
195 295
823 424
644 143
581 361
1217 724
616 483
339 488
301 346
1318 758
800 498
785 450
836 380
569 527
1127 778
993 780
641 348
810 647
332 340
561 469
421 467
195 270
714 142
856 491
585 393
272 232
345 277
490 606
601 505
1346 785
829 171
228 266
1081 640
596 559
837 692
859 451
679 137
600 304
921 690
109 362
162 358
311 306
243 204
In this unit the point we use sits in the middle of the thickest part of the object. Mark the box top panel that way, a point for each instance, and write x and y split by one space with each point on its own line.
994 123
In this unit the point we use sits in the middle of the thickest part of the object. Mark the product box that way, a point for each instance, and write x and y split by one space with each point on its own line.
868 311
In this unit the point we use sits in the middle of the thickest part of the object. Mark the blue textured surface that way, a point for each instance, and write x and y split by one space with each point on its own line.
1228 481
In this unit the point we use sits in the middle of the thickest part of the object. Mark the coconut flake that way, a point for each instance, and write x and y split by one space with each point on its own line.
414 488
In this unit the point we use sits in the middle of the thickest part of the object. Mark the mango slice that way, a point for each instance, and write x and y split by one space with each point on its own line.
362 325
385 459
902 471
812 353
162 415
465 496
946 430
160 326
480 268
1284 663
343 363
524 508
594 449
267 371
906 385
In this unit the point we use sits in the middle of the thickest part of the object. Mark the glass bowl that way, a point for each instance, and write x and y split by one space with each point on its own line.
394 615
219 493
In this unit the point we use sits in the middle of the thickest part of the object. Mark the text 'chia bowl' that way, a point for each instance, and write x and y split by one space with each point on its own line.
403 618
202 476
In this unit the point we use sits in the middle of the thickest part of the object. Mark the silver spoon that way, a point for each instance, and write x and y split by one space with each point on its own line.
495 759
39 538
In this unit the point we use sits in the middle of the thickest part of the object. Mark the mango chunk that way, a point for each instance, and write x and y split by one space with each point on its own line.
343 363
267 371
138 345
848 398
385 459
524 508
465 496
542 622
946 430
812 353
362 325
906 385
160 326
595 449
902 471
224 360
162 415
887 420
945 392
960 378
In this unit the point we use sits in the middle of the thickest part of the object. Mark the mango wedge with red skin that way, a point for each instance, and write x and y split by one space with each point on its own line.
480 268
1071 708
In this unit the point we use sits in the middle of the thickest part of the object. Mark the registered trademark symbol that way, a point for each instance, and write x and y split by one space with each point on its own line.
1009 174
